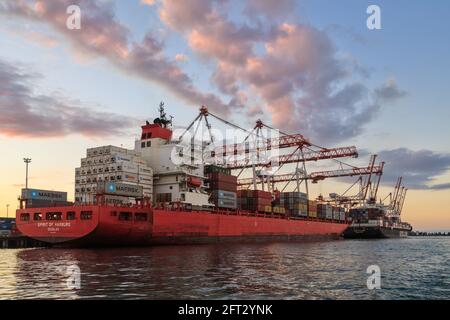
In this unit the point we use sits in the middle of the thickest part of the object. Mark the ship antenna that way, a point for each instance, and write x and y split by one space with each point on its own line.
162 114
162 120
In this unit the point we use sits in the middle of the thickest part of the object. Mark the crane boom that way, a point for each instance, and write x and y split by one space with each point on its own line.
309 155
321 175
281 142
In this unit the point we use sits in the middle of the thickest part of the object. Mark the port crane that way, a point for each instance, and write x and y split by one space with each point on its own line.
366 188
396 199
261 153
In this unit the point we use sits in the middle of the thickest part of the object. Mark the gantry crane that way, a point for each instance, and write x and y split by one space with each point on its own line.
396 199
251 153
366 188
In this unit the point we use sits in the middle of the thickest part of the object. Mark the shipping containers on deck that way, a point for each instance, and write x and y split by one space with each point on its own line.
324 211
295 203
224 199
338 213
255 200
312 209
222 186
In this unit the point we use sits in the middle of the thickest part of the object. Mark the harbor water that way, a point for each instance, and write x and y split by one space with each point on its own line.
411 268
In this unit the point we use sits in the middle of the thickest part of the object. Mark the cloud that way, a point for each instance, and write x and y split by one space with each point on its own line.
419 169
101 35
148 2
389 91
270 8
296 76
292 71
24 113
180 57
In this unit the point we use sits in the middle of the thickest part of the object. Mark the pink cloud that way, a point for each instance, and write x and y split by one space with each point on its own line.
291 70
302 83
103 36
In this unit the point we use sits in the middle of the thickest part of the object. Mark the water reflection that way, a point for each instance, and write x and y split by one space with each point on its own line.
318 270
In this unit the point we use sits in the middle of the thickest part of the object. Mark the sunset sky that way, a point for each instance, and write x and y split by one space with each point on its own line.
306 66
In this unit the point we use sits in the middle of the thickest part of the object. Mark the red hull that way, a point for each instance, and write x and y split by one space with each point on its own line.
114 226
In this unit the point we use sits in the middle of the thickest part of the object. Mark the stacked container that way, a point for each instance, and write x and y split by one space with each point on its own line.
358 214
324 211
221 181
312 209
375 213
255 200
295 203
216 169
222 185
279 210
224 199
342 214
336 211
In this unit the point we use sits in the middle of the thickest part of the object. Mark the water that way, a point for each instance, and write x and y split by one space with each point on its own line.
413 268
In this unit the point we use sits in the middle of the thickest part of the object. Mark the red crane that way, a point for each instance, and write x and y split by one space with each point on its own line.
321 175
258 151
297 156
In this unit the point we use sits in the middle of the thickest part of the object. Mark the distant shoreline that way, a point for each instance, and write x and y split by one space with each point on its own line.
428 234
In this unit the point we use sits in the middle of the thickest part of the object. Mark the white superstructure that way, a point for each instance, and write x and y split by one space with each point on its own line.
178 169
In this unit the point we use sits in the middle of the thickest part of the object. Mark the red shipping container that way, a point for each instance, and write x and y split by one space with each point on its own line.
262 194
219 185
216 176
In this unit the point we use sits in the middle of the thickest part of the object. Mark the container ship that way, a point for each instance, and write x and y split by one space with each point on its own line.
376 220
174 188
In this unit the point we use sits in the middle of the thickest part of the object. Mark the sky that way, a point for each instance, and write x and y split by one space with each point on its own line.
306 66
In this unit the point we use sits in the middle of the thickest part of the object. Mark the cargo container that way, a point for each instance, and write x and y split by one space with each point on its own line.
294 195
223 194
295 203
324 211
297 213
217 176
312 214
216 169
336 211
279 210
358 214
312 206
224 199
254 200
220 185
225 203
312 209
